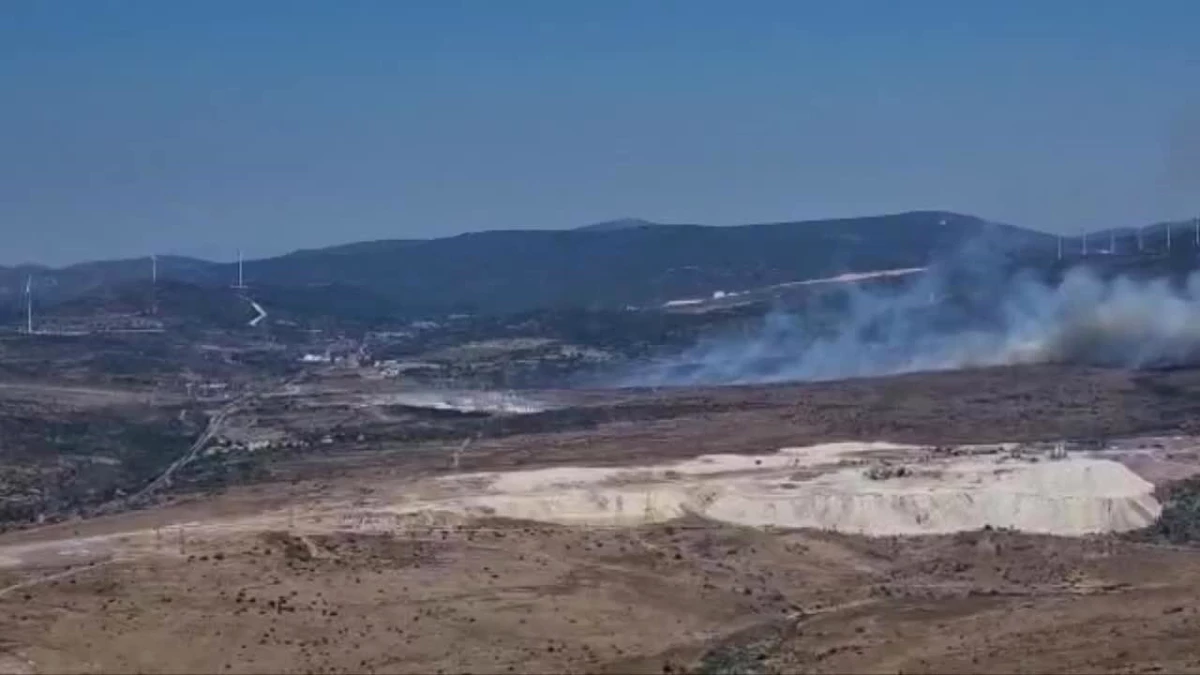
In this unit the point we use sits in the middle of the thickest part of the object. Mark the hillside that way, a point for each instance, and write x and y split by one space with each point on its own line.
608 265
635 265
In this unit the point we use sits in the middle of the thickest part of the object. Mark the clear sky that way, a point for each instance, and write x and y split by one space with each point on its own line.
197 127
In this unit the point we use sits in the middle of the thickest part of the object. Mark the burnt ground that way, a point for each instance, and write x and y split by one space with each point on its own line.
68 454
611 428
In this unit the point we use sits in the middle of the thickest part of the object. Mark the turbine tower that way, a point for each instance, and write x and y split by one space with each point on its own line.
1060 247
1168 237
1197 241
1083 244
1139 239
1112 242
241 280
153 284
29 304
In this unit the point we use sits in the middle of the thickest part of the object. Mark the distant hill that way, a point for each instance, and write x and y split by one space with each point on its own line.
606 265
83 279
615 266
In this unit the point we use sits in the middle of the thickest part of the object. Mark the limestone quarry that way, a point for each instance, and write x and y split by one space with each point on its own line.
838 487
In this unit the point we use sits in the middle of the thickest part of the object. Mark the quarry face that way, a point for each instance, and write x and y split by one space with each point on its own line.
861 488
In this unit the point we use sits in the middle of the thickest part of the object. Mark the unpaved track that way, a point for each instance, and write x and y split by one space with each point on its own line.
214 426
29 583
76 395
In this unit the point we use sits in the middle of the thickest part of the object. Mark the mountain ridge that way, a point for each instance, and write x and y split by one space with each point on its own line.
612 264
601 226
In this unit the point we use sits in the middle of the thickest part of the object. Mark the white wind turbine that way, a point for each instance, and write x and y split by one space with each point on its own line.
241 280
29 304
153 284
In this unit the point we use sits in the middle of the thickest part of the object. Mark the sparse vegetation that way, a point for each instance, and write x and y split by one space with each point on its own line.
885 471
56 463
1179 522
746 655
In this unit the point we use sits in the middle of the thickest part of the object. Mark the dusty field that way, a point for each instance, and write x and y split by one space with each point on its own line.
78 397
327 568
514 596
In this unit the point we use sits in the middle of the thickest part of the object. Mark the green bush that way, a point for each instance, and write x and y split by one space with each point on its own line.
1180 519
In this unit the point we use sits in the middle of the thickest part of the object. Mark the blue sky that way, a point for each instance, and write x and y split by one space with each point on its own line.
198 127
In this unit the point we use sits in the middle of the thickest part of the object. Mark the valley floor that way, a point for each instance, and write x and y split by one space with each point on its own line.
367 560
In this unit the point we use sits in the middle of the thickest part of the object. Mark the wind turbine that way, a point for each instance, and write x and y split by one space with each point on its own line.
1060 247
1112 242
29 304
153 284
1168 237
241 280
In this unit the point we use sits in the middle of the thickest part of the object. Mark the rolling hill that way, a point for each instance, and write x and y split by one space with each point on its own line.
608 265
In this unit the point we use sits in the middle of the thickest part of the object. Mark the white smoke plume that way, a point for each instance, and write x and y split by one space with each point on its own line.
491 402
1011 319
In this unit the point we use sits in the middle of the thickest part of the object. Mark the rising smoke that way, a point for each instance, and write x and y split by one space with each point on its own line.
966 312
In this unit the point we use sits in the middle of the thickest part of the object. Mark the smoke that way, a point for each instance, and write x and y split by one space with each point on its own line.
971 311
491 402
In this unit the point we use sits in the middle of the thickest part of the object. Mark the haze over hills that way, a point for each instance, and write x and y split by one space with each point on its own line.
605 265
618 224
